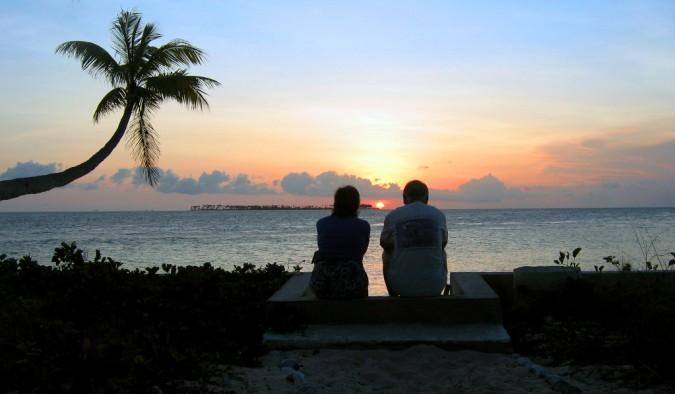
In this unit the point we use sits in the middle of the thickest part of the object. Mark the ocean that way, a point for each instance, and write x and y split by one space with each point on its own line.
479 239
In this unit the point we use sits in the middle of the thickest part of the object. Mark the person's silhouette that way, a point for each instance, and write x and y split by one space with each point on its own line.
413 240
343 240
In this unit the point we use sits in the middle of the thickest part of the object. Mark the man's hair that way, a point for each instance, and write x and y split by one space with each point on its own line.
346 202
415 191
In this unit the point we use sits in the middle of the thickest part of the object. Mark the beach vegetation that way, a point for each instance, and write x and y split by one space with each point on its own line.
623 320
619 264
142 77
652 256
92 325
566 259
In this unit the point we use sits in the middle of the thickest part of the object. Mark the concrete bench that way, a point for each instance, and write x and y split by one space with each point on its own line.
472 301
468 318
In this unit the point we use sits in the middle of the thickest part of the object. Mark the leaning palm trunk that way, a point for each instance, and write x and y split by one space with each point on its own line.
37 184
142 77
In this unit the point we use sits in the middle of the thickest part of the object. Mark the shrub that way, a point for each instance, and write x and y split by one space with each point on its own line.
93 326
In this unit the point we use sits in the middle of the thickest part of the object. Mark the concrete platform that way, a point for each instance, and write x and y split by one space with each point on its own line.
473 302
469 318
482 337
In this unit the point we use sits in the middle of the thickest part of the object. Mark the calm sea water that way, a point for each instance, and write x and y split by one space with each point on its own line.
479 240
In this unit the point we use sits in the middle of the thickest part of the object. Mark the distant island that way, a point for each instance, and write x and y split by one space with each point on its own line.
219 207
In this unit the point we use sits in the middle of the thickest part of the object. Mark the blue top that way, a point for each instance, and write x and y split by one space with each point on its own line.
342 238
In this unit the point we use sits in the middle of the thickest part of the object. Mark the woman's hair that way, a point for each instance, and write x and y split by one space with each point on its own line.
346 202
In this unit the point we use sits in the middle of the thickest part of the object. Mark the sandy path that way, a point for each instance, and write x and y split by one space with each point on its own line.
416 369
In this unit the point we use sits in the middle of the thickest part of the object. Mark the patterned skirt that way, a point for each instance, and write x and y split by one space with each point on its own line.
339 280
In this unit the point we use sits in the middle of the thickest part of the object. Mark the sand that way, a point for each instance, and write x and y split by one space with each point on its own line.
421 368
416 369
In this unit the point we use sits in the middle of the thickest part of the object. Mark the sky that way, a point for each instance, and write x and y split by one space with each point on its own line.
524 104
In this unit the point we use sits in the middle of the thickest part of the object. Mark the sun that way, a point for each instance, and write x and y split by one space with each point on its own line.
379 205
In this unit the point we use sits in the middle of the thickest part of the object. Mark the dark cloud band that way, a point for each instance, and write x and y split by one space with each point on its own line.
29 168
215 182
488 191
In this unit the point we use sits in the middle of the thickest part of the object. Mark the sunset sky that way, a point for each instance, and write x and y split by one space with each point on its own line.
493 104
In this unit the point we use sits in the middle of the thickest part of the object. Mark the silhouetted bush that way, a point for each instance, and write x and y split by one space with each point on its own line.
621 318
93 326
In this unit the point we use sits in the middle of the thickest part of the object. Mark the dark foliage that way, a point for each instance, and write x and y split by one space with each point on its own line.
93 326
622 319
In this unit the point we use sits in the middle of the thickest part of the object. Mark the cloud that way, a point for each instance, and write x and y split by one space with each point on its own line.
120 175
487 189
215 182
638 193
29 168
299 183
32 168
617 157
326 183
490 191
169 182
137 177
241 184
88 185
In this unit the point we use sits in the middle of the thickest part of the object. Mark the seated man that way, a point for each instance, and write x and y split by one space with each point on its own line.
414 238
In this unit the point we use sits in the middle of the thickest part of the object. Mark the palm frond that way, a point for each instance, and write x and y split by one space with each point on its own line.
150 34
143 76
134 38
175 53
147 100
113 100
143 143
189 90
94 59
123 34
141 49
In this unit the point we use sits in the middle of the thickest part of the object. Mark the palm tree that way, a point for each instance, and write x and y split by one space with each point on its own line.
142 77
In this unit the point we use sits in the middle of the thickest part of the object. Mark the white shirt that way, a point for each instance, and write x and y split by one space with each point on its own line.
418 265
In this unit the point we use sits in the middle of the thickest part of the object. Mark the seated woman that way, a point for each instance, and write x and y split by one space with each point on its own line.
343 240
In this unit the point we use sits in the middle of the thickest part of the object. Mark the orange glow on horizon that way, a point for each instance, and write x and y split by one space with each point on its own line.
379 205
